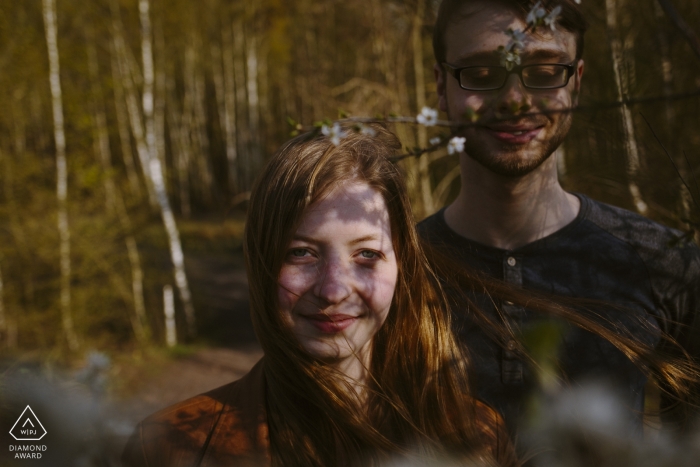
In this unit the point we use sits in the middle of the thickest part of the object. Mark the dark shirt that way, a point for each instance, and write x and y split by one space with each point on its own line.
646 270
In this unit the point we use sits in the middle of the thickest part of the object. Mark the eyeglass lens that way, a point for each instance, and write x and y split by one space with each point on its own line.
533 76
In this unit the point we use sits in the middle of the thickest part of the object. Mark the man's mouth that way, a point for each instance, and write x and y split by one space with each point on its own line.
514 134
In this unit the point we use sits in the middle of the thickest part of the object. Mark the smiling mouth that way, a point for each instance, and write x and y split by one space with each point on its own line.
514 135
331 324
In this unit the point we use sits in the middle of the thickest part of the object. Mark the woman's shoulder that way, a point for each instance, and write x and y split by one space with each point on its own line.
218 424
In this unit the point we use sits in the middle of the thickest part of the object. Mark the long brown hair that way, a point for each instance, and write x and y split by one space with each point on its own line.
418 392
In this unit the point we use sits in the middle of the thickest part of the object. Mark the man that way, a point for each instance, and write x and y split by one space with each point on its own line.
513 221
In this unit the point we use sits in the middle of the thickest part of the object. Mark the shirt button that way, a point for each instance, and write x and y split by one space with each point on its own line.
511 261
511 345
508 302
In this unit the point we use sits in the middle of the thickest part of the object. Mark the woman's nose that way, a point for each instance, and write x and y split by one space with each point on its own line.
334 282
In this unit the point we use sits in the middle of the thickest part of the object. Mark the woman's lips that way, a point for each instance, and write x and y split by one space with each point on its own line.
514 135
331 324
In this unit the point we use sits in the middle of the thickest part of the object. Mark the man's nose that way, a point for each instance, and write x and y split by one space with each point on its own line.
513 97
334 282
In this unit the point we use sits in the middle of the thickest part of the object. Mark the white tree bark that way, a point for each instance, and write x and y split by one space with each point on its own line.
128 79
156 172
49 10
113 198
254 155
631 148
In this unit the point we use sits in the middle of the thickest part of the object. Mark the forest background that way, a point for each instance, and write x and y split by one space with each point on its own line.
131 132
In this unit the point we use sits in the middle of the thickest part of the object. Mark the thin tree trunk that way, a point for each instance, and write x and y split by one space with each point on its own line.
49 8
198 121
156 172
178 122
3 319
224 83
667 77
159 98
243 132
631 149
114 202
253 156
418 71
128 78
123 128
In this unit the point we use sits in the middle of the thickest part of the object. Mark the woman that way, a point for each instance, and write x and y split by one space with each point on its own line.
360 365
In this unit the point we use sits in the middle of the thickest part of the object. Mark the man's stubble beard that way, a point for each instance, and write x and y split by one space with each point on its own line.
516 166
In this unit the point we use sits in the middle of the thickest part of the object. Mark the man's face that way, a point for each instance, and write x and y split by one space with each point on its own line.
519 129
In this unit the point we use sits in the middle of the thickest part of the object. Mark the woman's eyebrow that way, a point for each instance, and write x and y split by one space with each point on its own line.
304 238
365 238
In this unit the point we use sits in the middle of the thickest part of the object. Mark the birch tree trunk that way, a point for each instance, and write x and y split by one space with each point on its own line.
418 71
224 84
113 198
49 10
631 148
128 77
156 172
123 128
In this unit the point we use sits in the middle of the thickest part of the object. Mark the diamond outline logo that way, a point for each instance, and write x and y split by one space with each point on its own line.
30 422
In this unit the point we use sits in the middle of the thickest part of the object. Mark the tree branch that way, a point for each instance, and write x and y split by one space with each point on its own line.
680 23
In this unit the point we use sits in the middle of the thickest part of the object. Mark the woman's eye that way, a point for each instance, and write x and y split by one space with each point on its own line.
299 252
368 254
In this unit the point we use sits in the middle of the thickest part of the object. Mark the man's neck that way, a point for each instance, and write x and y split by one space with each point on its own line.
510 212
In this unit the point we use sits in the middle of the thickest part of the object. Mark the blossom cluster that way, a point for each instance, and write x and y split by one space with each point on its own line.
538 16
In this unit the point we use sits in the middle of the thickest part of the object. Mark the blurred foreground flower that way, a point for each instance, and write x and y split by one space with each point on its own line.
427 116
456 145
589 426
335 133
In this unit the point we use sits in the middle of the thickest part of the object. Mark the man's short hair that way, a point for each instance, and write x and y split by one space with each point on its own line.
571 19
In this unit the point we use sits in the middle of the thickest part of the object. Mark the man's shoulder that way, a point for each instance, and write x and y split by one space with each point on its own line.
434 229
660 247
634 229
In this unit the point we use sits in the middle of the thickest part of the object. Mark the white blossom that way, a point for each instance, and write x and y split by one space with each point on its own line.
335 133
551 19
435 141
427 116
517 37
367 130
456 145
536 14
510 59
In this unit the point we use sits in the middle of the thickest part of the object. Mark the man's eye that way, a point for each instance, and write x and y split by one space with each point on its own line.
369 254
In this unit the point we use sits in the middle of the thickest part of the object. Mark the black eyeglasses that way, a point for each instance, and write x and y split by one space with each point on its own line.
489 78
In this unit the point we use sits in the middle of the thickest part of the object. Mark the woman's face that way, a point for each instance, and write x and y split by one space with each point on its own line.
339 273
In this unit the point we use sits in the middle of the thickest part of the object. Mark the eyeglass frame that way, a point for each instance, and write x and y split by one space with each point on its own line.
570 69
